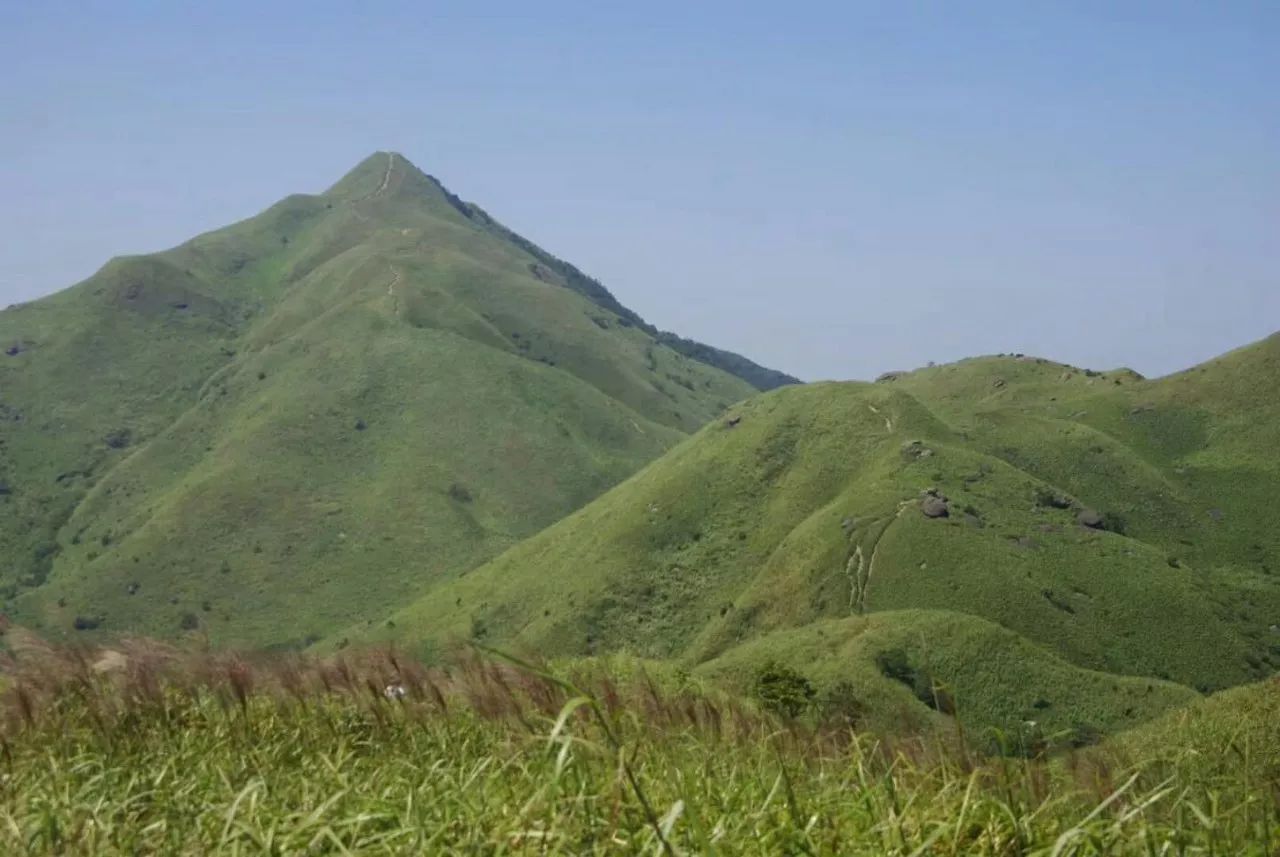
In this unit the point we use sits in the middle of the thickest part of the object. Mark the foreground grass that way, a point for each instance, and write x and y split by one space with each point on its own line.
161 752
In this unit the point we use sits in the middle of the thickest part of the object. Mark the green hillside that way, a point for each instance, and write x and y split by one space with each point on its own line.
1095 522
1224 735
904 670
311 417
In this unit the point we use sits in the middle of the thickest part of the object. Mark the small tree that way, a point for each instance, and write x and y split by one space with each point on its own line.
783 691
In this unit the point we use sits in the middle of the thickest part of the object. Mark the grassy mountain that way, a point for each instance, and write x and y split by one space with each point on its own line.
920 529
312 416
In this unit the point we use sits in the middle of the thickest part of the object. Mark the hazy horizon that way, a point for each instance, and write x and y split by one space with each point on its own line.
831 191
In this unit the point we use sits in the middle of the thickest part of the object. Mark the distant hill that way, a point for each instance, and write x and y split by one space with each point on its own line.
921 529
311 417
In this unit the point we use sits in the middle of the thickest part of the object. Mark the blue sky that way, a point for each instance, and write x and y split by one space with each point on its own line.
835 189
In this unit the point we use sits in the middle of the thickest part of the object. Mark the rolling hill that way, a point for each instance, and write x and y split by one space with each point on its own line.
1115 534
308 418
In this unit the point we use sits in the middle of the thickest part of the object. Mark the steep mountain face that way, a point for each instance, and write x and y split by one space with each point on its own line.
860 531
311 417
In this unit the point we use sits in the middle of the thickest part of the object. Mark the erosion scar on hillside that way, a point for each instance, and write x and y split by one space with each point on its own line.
888 423
859 567
391 289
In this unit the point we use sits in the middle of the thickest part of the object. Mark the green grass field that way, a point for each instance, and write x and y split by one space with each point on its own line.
165 752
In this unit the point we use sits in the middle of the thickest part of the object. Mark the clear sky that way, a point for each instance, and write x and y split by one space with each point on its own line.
835 189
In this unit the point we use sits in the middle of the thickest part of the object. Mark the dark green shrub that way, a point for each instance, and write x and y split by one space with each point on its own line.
1051 499
1114 522
119 438
783 691
896 665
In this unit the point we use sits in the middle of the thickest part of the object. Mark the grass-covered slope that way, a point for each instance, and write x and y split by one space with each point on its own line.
312 416
142 751
1227 734
1118 525
900 670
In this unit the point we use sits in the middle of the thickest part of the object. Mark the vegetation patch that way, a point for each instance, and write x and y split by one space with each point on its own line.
144 749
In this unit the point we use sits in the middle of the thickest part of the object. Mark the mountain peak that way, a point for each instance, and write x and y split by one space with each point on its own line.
391 174
380 172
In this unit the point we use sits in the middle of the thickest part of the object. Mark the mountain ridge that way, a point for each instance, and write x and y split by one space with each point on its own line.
735 364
